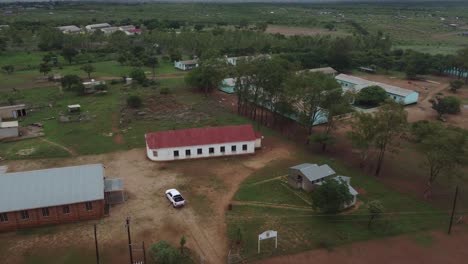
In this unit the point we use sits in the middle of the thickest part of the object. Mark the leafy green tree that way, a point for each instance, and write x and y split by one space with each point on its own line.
175 55
455 85
313 89
3 44
44 68
50 39
446 105
70 81
164 253
199 27
8 69
445 150
331 196
69 53
391 122
152 61
371 96
138 75
375 209
88 68
134 101
362 134
206 77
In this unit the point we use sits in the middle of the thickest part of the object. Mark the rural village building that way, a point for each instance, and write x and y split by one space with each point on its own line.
309 176
90 87
325 70
12 111
228 85
355 84
109 30
202 142
71 29
95 27
186 65
233 60
51 196
9 129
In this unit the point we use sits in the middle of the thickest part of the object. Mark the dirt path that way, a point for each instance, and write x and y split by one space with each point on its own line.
434 248
69 150
274 205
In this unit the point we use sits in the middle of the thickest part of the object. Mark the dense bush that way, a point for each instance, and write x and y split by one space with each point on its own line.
134 101
371 96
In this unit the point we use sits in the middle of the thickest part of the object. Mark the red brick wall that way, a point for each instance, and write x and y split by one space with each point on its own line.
56 216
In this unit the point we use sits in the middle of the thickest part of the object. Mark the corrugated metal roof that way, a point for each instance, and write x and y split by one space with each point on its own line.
363 83
111 185
51 187
13 107
8 124
314 172
325 70
200 136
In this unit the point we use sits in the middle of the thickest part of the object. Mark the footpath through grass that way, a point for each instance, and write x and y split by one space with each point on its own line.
301 230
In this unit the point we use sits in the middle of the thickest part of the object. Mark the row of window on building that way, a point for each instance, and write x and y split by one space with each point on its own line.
45 212
211 150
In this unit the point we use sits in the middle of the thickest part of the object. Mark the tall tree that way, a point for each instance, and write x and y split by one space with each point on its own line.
362 134
445 149
152 61
44 68
207 76
313 89
445 105
69 53
88 68
375 209
391 122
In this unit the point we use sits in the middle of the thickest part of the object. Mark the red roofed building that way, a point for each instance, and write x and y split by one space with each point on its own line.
202 142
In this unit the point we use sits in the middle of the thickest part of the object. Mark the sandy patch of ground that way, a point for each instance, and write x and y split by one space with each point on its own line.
438 248
208 186
303 31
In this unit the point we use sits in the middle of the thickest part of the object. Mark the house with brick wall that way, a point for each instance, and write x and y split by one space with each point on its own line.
51 196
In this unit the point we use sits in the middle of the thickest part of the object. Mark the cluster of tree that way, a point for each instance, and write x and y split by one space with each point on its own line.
371 96
331 196
446 105
445 149
380 131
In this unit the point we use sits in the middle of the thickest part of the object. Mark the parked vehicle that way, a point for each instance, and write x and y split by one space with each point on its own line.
175 198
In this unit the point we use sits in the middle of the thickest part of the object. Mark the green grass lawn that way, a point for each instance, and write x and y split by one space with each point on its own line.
303 230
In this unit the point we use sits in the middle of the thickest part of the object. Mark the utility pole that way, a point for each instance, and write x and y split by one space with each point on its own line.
144 252
453 210
129 240
96 243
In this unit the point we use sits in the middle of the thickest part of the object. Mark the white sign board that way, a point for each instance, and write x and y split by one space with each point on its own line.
266 235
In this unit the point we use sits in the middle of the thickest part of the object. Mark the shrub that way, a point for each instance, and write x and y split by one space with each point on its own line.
134 101
165 90
138 75
164 253
371 96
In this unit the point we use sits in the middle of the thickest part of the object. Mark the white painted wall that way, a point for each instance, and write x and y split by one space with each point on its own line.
9 132
165 154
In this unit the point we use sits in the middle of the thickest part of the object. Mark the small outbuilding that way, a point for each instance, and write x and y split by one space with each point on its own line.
71 29
228 85
12 111
9 129
202 142
325 70
74 108
186 65
309 176
94 27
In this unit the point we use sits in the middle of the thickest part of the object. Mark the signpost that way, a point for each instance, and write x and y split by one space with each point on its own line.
266 235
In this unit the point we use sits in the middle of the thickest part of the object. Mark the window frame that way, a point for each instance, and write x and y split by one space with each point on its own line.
199 151
244 147
176 154
67 211
233 148
188 152
24 215
45 212
222 149
88 206
155 153
3 217
211 150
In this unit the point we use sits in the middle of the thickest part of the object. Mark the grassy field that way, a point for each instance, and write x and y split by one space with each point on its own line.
301 230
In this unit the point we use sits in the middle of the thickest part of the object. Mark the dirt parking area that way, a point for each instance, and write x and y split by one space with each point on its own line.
208 186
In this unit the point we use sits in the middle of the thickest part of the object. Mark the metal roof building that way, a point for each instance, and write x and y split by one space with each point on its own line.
51 187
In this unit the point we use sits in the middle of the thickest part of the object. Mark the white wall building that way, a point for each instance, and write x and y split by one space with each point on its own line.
202 142
9 129
186 65
94 27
